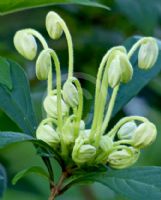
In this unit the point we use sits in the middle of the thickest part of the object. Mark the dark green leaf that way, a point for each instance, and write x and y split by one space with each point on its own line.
140 78
7 138
43 149
2 180
142 13
5 78
15 98
8 6
35 169
134 183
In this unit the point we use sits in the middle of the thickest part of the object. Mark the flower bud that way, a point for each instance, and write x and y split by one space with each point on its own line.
70 94
144 135
47 134
123 158
120 68
126 68
25 44
106 144
53 25
50 106
43 65
68 133
114 72
126 131
148 53
84 154
82 125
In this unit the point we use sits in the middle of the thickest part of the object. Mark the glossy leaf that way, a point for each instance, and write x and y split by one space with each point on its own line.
8 6
35 169
134 183
43 149
142 13
139 80
2 180
15 98
7 138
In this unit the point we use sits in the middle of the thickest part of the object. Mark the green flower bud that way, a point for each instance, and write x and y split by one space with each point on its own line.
53 25
47 134
50 106
114 72
148 53
25 44
127 130
43 65
123 158
106 144
68 133
70 94
120 68
126 68
84 154
82 125
144 135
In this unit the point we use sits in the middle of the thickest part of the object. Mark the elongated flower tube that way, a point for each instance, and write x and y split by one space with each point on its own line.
25 44
43 65
148 53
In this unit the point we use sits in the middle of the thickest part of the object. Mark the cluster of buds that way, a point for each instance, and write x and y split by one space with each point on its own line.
63 128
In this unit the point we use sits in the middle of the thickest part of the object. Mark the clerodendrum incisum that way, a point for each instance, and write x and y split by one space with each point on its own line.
63 128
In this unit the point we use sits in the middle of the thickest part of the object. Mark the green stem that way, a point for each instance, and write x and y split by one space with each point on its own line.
136 46
58 85
48 120
80 106
70 46
114 130
97 93
122 142
50 81
110 109
45 46
38 36
59 107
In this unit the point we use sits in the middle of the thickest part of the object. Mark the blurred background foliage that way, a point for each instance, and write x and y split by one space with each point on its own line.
94 31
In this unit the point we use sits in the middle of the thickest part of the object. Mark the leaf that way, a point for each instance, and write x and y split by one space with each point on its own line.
142 13
35 169
134 183
2 180
15 98
8 6
139 80
7 138
43 149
